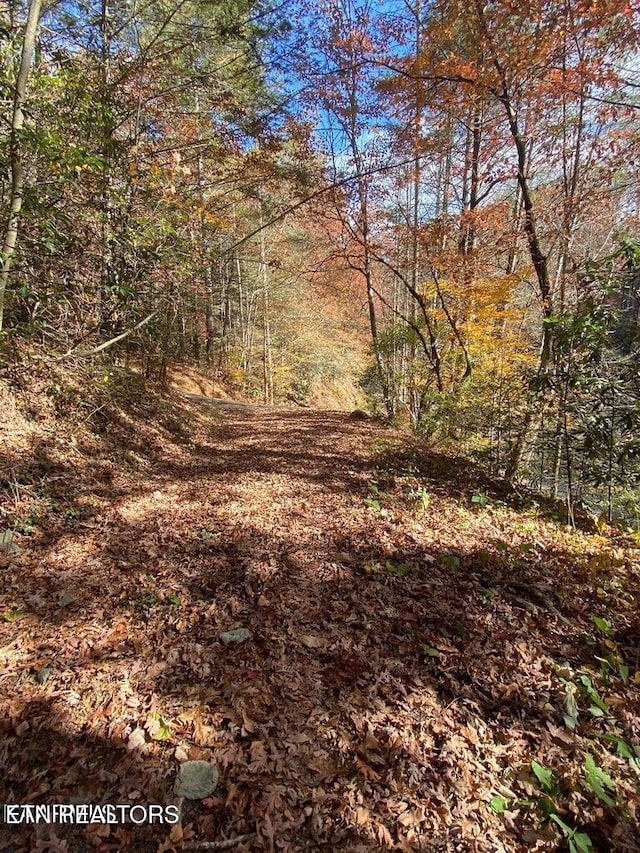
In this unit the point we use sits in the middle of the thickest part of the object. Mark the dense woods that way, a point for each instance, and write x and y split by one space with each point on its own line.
320 424
257 188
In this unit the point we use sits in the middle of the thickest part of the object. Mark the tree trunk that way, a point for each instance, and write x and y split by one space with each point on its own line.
15 151
267 363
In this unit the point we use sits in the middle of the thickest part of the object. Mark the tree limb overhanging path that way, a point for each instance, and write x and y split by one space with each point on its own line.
392 641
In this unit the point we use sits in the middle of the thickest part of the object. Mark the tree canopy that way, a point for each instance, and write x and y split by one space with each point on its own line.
258 187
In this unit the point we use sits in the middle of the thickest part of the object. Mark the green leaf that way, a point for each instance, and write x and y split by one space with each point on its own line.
399 571
157 726
602 625
566 830
622 747
545 777
12 615
580 843
430 650
546 806
598 780
498 804
172 598
591 692
482 500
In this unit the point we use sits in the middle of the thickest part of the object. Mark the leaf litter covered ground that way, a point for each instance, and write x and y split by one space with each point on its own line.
419 637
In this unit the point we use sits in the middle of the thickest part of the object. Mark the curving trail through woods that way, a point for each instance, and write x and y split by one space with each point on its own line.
382 696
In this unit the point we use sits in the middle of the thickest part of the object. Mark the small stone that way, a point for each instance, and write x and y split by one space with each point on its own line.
196 780
7 545
43 674
235 637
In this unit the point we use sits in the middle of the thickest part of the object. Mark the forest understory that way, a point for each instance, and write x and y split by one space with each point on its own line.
434 662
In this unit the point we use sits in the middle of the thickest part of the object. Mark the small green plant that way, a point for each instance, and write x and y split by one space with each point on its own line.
498 804
624 750
172 598
485 501
149 598
399 571
419 499
481 500
373 498
546 778
602 625
206 535
28 526
598 708
157 726
599 781
610 661
431 651
578 842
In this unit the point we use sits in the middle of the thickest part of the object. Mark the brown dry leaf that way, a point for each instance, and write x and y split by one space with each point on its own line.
363 816
470 735
248 725
176 835
313 642
561 735
383 835
137 740
368 772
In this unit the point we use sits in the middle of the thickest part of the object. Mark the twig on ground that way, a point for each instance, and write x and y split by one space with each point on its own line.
226 844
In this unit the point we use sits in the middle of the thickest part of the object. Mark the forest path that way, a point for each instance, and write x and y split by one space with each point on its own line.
378 659
221 403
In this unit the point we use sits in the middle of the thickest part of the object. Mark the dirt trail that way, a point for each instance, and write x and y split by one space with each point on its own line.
353 717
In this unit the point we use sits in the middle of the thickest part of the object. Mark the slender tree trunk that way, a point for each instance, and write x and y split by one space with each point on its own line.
471 180
512 257
108 271
267 361
207 268
15 151
569 463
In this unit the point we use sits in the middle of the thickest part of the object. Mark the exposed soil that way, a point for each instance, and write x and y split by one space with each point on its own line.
402 666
